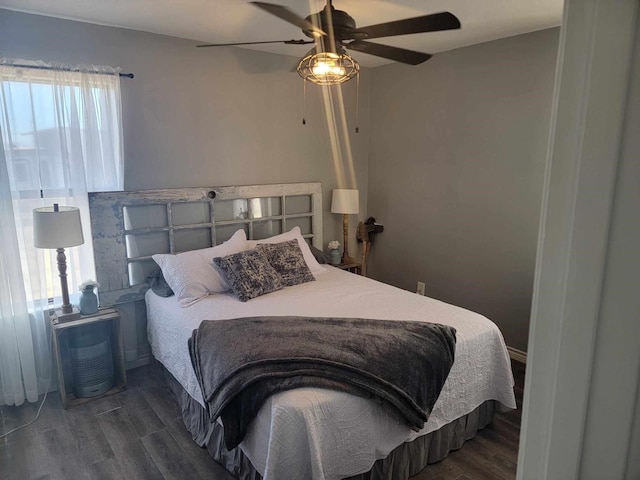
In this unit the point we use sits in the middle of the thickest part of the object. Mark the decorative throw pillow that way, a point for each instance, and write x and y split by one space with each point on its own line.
319 255
159 285
286 259
293 234
249 274
191 275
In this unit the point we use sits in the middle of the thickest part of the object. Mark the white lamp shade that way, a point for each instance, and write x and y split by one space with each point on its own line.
345 201
57 229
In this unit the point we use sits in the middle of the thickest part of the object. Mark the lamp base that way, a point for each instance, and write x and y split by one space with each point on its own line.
67 317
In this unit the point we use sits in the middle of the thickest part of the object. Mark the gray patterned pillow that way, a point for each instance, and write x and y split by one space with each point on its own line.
249 274
287 259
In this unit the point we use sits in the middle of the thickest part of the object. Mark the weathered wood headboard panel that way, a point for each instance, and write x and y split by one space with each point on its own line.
129 227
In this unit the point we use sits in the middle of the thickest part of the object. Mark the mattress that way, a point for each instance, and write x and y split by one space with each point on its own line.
325 434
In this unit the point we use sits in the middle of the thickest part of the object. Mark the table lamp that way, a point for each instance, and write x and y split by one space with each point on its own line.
58 228
346 202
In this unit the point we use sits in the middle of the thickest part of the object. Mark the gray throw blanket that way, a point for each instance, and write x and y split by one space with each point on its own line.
240 362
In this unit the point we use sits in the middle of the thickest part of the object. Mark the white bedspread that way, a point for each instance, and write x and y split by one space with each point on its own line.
322 434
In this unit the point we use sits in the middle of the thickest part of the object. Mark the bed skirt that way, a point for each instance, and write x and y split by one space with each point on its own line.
403 462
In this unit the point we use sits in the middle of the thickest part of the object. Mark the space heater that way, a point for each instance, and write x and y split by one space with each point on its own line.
91 359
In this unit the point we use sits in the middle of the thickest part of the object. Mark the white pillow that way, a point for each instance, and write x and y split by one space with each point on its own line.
192 276
293 234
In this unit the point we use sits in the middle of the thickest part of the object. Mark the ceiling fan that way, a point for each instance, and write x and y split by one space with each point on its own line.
333 31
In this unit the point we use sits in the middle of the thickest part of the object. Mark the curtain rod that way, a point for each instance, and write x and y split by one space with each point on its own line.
67 69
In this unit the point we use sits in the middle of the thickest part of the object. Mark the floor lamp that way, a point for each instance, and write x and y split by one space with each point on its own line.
346 202
59 228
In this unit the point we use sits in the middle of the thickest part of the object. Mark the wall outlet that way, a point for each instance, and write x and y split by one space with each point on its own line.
420 288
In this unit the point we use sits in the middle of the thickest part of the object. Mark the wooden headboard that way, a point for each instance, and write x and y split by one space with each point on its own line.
129 227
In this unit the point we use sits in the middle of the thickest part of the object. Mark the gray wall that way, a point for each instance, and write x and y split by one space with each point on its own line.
458 148
195 117
451 155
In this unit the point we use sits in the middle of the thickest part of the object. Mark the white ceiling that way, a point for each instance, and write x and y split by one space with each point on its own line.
223 21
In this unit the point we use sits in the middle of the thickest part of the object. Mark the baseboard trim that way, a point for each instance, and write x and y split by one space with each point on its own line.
517 355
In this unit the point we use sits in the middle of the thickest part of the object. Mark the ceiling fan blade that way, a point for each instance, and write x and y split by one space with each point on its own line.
427 23
288 16
392 53
287 42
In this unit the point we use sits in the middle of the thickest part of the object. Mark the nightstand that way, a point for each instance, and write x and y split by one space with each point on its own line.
355 267
89 357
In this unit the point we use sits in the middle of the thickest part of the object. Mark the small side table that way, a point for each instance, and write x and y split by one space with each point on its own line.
61 331
355 267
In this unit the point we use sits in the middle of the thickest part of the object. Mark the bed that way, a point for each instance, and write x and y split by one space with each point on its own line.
311 432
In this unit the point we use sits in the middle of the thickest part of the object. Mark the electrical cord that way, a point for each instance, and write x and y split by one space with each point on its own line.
46 391
28 423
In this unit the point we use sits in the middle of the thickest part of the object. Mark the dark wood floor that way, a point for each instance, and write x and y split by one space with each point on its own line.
492 454
138 434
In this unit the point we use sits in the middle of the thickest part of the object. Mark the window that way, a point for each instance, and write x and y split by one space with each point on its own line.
62 137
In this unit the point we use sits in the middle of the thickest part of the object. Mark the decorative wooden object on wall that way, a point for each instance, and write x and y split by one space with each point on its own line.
366 234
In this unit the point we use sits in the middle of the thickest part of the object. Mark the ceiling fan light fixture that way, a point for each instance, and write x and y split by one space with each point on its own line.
328 68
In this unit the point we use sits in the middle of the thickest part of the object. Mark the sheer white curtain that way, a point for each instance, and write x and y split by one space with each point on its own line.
62 137
18 379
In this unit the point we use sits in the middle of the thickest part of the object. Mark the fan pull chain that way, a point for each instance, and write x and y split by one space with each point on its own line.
304 100
358 102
